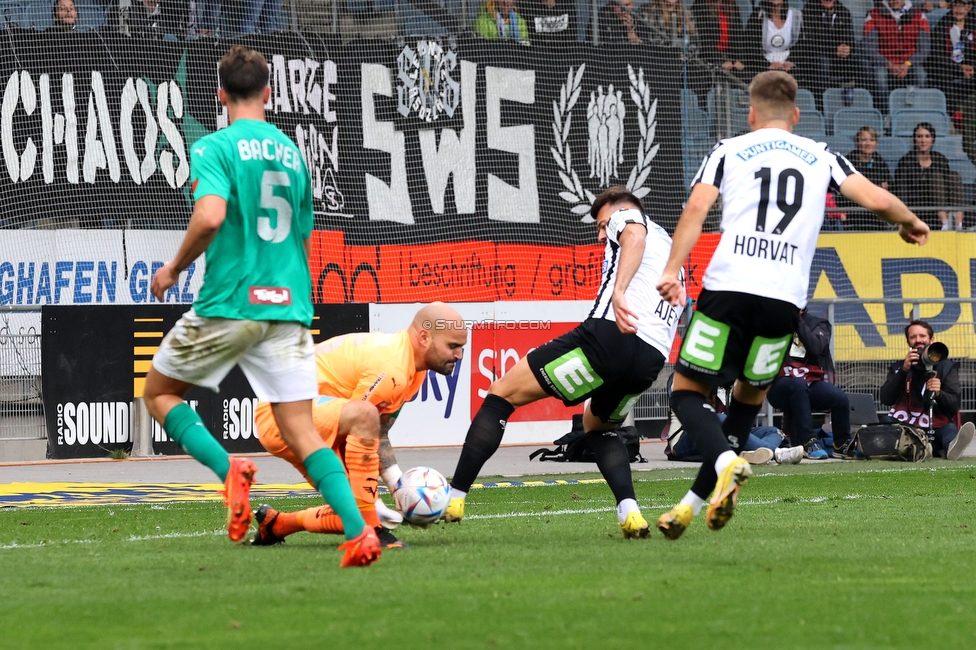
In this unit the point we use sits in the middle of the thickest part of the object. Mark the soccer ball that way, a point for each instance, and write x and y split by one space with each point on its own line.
422 495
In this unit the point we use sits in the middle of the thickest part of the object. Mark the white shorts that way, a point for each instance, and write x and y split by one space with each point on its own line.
277 357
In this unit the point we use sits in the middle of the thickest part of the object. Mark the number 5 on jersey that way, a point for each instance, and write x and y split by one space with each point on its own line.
277 204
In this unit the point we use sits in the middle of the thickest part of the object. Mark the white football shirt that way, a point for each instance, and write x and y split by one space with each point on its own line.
657 321
774 188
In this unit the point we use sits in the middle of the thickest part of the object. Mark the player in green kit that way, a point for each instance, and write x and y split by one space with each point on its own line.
253 217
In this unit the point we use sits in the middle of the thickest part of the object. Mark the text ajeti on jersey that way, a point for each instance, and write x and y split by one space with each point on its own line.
766 249
268 149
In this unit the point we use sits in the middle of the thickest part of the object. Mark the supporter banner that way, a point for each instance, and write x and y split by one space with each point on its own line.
94 362
414 142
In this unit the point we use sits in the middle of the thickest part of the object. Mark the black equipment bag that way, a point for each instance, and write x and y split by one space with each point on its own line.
574 448
893 442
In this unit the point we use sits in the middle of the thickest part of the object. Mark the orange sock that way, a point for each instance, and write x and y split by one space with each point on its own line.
322 520
288 523
362 462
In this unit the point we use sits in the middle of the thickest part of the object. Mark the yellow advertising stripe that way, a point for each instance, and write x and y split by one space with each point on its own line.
148 335
141 365
145 350
23 495
147 320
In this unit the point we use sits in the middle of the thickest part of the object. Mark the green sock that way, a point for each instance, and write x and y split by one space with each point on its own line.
325 470
186 428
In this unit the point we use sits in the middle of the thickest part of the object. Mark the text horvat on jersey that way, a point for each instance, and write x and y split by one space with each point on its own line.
767 249
777 145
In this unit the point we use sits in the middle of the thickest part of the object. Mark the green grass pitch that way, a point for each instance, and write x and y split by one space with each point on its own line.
851 555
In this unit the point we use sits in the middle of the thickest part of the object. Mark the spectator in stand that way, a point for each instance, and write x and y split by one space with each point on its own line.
828 38
953 57
550 21
910 389
806 384
65 16
671 23
896 44
619 26
152 19
923 178
500 20
720 39
869 162
772 35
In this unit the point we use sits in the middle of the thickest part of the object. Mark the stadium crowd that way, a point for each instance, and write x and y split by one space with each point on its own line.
893 86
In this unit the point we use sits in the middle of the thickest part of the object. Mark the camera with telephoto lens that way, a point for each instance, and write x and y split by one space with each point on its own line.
932 354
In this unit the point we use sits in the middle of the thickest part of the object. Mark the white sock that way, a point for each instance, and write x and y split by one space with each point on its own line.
386 513
693 500
723 460
626 507
458 494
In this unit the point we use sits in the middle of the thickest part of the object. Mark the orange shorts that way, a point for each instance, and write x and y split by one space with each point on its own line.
326 412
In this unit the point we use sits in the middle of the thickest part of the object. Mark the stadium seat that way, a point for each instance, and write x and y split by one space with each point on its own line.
965 169
847 121
805 100
903 123
11 13
893 149
833 101
935 16
91 15
37 14
919 99
697 124
950 146
842 144
689 100
811 125
859 10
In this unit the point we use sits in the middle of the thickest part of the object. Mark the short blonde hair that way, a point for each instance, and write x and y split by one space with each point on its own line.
773 94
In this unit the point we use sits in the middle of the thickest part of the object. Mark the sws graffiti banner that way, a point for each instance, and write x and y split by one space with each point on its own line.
94 361
412 143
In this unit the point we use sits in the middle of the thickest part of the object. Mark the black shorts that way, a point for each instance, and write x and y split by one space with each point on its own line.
736 335
596 361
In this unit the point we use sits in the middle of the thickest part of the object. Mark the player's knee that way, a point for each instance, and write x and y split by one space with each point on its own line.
363 419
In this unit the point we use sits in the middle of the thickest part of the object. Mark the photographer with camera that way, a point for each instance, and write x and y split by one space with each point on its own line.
923 391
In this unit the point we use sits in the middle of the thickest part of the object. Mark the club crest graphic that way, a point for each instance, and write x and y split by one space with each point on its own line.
425 85
605 121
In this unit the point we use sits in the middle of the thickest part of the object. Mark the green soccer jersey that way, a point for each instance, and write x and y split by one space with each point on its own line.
257 268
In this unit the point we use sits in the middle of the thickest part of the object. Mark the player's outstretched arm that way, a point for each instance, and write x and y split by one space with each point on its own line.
689 229
632 240
208 214
887 206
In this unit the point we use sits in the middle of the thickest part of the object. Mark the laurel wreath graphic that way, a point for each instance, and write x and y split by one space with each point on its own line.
575 194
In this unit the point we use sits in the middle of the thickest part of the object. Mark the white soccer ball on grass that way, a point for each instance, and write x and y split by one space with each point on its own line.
422 495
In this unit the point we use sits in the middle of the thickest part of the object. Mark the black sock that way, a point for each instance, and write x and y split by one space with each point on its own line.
701 423
740 418
614 462
484 436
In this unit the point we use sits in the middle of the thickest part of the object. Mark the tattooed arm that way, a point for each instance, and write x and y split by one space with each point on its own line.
389 469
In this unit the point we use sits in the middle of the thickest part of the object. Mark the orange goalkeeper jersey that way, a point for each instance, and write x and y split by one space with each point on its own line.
376 367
